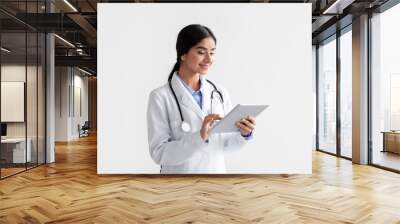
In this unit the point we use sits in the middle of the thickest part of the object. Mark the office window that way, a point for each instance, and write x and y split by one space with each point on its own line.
327 96
385 91
346 94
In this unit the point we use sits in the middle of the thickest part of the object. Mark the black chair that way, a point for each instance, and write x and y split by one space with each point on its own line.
84 130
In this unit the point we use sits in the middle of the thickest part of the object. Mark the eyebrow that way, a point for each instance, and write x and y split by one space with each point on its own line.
203 48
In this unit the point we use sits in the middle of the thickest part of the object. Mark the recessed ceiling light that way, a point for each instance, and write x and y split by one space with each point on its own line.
64 40
5 50
70 5
84 71
337 7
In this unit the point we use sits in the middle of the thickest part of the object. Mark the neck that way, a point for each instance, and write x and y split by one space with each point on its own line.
190 78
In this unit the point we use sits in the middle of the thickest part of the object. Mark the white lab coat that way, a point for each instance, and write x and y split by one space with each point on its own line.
185 153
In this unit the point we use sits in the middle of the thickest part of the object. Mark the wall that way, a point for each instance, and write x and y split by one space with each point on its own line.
71 102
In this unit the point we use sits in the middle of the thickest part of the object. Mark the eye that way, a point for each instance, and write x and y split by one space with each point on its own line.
201 52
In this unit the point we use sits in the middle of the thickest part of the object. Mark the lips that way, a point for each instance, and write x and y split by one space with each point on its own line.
204 66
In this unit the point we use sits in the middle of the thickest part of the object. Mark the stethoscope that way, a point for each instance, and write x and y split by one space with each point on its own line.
185 126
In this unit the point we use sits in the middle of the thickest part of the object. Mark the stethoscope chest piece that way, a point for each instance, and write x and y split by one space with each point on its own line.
185 127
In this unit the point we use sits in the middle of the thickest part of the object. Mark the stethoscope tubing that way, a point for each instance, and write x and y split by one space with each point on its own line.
185 126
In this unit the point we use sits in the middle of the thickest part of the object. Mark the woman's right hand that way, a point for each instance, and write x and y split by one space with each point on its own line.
207 124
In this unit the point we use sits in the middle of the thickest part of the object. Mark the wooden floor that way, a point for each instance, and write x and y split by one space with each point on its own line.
5 172
70 191
386 159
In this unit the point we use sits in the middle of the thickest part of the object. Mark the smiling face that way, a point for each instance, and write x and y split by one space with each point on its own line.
200 57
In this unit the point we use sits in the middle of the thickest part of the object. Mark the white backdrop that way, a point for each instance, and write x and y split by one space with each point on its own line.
263 57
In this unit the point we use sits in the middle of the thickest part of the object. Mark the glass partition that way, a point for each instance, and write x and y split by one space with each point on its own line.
32 95
22 77
346 94
327 96
385 89
41 91
32 73
13 109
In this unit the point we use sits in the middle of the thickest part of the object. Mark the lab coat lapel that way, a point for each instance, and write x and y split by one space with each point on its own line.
185 98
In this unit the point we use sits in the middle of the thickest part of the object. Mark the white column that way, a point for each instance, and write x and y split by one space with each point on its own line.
50 92
50 100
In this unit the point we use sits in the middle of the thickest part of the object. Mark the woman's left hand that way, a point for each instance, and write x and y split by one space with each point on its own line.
246 125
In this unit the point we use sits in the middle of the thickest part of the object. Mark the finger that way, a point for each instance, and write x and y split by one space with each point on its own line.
248 124
211 119
207 120
243 127
217 117
209 116
212 116
251 119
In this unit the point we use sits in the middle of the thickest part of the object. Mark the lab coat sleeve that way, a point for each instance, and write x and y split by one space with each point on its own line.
232 141
163 149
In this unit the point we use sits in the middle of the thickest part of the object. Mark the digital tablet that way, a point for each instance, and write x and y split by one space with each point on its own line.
227 124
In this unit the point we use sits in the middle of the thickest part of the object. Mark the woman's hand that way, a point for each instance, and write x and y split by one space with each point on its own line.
246 125
207 124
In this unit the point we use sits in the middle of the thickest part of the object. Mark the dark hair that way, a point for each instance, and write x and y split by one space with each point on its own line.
188 37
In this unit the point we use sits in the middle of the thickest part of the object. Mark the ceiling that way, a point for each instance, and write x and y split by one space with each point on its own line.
76 22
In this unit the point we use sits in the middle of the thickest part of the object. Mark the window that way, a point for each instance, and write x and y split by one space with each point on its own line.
346 94
327 96
385 89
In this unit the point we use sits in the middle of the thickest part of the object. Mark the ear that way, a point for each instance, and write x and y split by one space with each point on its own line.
183 57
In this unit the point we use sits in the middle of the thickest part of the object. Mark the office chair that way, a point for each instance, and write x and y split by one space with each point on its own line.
84 130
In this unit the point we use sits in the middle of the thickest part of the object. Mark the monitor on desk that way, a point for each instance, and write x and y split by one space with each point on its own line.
3 130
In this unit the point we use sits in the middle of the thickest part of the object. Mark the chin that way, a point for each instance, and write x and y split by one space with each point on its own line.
203 71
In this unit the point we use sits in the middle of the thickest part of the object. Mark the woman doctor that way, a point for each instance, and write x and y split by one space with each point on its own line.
181 113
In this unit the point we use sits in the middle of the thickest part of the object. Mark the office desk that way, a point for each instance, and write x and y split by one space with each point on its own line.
391 141
13 150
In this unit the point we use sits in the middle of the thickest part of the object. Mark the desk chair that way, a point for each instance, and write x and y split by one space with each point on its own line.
84 130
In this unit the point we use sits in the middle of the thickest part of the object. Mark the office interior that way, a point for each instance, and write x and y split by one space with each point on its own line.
48 83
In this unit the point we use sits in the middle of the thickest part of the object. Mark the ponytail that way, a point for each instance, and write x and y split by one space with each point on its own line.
174 69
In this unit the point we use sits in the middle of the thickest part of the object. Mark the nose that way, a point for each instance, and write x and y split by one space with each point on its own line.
208 58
